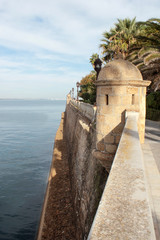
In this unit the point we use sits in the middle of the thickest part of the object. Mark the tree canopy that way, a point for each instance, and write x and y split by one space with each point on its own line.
138 42
119 39
87 88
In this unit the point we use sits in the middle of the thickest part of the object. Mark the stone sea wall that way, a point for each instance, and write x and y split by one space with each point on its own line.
74 206
87 176
76 179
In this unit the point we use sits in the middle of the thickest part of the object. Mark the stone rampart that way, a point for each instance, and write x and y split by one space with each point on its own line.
124 211
87 175
101 141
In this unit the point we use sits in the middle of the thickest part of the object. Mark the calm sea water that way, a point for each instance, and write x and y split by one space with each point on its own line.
27 131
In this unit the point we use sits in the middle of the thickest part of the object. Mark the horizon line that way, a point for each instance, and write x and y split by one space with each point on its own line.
49 99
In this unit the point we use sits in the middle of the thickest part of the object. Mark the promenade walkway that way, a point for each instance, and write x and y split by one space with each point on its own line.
151 153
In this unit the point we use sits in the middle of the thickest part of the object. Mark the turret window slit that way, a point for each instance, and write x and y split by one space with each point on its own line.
107 100
133 99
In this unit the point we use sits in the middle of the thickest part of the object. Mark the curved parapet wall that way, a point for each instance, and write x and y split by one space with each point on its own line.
124 211
86 109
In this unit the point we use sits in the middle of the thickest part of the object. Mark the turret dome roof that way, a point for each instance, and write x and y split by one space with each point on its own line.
121 70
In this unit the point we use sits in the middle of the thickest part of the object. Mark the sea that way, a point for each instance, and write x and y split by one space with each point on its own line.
27 132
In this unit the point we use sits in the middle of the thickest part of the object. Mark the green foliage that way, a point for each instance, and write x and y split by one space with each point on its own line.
148 43
88 89
119 39
153 100
93 58
151 58
138 42
153 114
153 106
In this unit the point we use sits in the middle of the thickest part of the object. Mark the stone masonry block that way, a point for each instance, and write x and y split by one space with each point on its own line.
106 109
98 91
127 100
111 148
101 100
99 137
118 137
109 138
114 100
104 129
113 120
119 109
106 90
120 90
100 146
132 90
144 89
134 108
100 118
118 129
136 100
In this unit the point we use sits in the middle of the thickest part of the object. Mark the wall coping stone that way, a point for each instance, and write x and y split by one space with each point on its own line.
124 211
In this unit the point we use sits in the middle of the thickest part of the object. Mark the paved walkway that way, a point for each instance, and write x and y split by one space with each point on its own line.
151 153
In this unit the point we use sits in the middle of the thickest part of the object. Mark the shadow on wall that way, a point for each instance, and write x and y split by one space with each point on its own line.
87 175
107 146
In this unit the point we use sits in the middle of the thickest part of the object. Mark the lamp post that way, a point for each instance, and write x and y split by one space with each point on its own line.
77 84
97 66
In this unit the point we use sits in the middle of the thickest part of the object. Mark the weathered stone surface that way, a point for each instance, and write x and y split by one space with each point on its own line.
102 100
100 146
124 211
111 148
126 100
87 174
115 100
121 90
105 109
106 90
119 70
132 90
109 138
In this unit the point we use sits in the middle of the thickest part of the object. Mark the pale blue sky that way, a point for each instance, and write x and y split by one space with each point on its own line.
45 45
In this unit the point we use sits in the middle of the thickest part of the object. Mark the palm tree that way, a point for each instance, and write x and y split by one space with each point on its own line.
145 53
138 42
93 58
150 41
119 39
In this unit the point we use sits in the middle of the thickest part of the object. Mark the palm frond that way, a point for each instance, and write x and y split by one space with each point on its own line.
151 58
146 50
